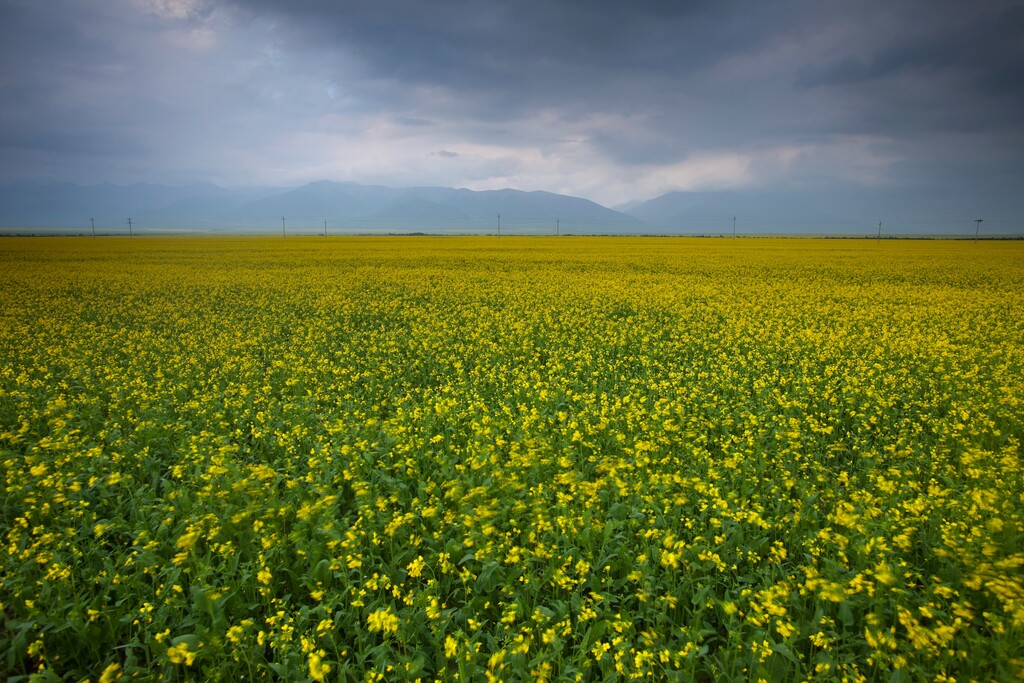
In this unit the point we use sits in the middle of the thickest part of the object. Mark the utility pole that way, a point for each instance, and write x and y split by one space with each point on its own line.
325 227
499 226
977 229
557 226
93 221
879 239
734 227
130 234
283 235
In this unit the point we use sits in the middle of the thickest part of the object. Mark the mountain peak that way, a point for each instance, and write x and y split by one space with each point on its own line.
345 206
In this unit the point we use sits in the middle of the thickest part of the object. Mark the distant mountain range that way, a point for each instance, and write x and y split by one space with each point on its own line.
347 207
832 211
354 208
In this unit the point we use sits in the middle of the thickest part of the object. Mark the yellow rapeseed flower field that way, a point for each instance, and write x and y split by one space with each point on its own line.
573 459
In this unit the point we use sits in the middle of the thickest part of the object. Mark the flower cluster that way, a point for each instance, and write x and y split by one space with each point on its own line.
539 458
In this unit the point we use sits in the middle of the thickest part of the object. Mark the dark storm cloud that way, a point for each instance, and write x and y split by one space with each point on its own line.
654 59
58 64
960 69
528 52
503 62
68 144
145 89
597 96
981 41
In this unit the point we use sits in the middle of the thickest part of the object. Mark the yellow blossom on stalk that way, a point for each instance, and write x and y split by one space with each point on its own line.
187 541
552 452
669 559
383 620
181 654
884 574
784 628
318 670
111 673
415 568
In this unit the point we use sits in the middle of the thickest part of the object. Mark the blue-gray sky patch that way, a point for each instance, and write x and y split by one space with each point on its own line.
607 100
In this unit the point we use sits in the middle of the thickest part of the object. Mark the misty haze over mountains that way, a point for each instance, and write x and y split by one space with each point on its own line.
353 208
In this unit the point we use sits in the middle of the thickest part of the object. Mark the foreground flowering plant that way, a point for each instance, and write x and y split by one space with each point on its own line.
552 459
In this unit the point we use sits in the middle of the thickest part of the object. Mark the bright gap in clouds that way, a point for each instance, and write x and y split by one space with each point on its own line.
599 99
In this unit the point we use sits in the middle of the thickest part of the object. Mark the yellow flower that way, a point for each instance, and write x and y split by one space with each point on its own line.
186 541
884 574
669 559
318 670
180 654
383 620
111 673
784 628
451 647
415 568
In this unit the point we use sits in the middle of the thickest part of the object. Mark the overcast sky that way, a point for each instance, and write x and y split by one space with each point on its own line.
612 101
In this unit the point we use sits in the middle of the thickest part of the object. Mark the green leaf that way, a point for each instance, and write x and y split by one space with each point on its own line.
488 578
190 639
784 650
594 633
845 613
322 571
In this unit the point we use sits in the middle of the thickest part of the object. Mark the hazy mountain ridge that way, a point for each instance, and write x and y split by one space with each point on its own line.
854 211
352 207
345 206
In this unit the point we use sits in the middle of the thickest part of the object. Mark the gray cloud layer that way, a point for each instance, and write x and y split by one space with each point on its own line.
608 100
